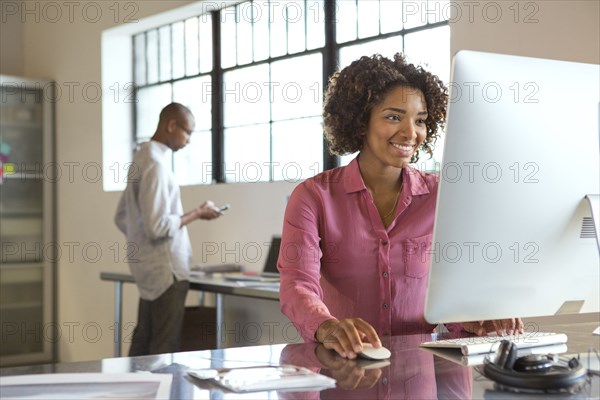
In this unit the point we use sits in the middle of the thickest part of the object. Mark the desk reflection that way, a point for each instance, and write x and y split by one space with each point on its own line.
411 373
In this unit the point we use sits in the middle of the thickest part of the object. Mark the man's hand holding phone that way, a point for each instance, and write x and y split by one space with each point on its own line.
206 211
209 211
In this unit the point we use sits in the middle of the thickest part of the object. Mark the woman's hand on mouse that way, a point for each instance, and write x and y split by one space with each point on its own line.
346 336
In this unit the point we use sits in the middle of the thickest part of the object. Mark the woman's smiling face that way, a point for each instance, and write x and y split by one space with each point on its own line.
396 128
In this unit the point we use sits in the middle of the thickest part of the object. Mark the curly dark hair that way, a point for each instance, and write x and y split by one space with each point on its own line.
355 90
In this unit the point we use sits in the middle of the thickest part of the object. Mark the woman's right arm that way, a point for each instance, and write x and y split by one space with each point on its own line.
299 262
301 295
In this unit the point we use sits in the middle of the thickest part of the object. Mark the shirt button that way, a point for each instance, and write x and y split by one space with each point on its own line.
385 305
385 274
384 381
386 333
385 242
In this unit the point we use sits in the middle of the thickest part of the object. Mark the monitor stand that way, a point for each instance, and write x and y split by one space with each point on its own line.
594 200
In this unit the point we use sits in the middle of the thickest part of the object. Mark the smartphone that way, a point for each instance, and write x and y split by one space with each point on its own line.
223 207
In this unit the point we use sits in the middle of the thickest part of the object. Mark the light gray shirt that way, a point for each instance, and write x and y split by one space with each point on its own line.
149 214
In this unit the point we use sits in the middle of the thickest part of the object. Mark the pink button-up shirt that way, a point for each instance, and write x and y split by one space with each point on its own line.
337 259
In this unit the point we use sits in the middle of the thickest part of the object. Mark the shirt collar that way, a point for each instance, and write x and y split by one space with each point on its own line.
159 148
413 179
353 181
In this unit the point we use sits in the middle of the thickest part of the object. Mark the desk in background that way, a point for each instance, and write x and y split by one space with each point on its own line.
209 283
413 372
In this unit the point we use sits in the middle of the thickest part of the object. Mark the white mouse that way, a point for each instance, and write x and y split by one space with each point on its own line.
371 353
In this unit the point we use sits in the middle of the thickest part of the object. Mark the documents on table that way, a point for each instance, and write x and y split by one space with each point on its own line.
212 268
79 386
264 378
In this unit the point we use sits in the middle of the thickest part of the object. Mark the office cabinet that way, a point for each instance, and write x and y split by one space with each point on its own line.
27 222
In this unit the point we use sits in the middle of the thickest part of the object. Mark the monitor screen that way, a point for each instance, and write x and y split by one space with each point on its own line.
513 234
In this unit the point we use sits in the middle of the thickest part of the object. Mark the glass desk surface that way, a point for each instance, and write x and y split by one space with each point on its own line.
412 372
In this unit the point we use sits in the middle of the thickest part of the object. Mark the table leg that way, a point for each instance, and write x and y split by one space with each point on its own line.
219 329
118 316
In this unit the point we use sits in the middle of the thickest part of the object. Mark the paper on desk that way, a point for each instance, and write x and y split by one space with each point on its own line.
264 378
259 284
86 386
212 268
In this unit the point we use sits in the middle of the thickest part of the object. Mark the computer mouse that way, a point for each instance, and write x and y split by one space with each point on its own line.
372 364
371 353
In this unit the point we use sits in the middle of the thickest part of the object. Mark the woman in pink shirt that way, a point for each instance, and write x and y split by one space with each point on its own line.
355 246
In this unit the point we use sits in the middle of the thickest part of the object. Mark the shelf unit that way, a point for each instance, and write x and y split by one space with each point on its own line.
27 222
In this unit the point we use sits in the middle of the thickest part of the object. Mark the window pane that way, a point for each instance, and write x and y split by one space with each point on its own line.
391 15
164 39
139 43
244 34
430 47
315 26
151 101
386 47
242 165
261 30
191 47
414 13
246 96
152 55
297 149
346 20
228 46
432 165
196 94
439 10
193 163
178 49
295 16
297 87
368 18
272 112
278 30
345 160
206 57
435 161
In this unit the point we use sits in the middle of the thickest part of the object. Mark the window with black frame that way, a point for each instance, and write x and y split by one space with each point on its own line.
253 75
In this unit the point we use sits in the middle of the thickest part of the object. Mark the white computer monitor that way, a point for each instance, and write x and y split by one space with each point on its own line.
513 233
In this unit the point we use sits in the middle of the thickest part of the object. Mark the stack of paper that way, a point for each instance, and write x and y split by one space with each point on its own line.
253 379
209 269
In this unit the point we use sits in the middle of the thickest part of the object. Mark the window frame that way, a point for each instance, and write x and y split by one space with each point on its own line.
330 59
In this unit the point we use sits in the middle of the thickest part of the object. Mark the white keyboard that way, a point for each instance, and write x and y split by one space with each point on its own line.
488 344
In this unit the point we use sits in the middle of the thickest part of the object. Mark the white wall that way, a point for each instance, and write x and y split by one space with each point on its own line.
11 39
67 50
563 29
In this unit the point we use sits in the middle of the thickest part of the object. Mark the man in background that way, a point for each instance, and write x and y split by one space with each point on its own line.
151 215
